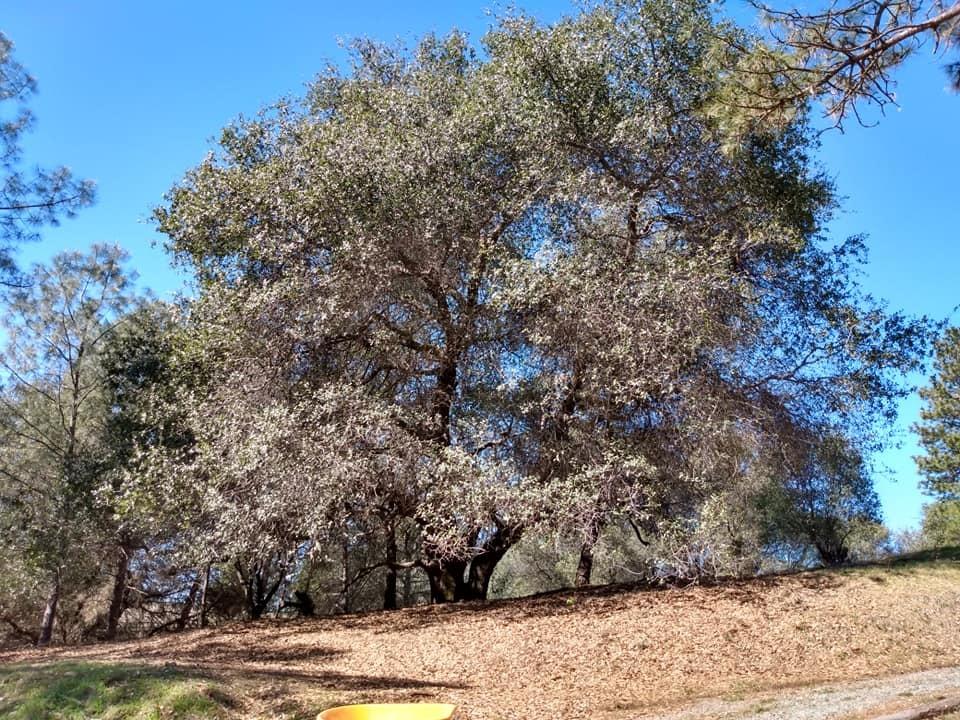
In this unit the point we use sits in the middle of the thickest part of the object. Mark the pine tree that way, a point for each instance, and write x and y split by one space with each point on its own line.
939 426
29 197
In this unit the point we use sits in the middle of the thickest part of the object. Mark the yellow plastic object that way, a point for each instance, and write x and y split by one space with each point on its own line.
390 711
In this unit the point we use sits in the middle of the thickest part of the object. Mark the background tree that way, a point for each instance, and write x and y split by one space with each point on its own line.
28 198
137 366
940 526
939 426
55 411
939 432
826 500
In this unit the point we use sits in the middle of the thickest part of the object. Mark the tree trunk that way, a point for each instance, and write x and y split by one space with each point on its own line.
258 588
255 610
118 598
832 554
390 583
188 604
485 562
407 592
443 400
50 613
203 595
585 566
478 577
446 576
345 577
255 592
446 580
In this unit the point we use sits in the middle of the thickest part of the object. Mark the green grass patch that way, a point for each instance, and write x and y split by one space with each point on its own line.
88 691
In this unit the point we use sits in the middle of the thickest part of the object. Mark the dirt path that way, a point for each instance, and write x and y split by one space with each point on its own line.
858 699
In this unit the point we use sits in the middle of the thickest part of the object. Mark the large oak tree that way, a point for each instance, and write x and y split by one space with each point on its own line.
534 287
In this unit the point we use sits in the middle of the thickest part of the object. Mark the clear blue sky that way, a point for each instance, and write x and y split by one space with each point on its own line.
132 92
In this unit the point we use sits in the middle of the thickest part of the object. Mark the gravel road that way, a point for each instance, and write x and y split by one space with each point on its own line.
859 699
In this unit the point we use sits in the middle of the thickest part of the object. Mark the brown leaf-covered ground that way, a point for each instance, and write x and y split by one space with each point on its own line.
607 653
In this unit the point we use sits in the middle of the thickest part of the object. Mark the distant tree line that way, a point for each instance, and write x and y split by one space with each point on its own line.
465 321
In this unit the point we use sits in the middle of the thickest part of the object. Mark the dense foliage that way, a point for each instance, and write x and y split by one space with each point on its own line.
536 288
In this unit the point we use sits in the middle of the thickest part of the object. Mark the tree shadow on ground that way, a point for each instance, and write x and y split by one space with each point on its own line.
332 680
220 651
302 693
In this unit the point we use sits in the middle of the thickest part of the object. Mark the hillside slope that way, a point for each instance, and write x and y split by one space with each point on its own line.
602 653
